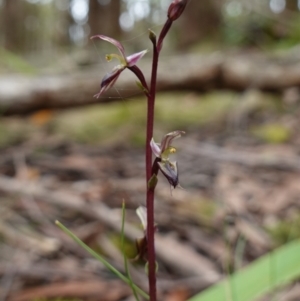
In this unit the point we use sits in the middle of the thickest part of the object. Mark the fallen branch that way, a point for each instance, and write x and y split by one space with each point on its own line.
20 94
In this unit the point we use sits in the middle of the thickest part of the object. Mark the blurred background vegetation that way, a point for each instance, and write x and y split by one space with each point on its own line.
40 31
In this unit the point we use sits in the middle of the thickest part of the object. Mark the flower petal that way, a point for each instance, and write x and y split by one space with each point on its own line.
170 171
166 141
155 148
134 58
112 41
109 79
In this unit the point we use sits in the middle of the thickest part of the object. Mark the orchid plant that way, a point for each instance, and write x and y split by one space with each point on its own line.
161 151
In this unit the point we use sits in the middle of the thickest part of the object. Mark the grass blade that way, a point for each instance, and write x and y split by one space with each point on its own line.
101 259
264 275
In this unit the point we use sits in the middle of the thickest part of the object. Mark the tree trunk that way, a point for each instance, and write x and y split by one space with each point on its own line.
12 25
65 20
104 19
291 5
200 20
285 21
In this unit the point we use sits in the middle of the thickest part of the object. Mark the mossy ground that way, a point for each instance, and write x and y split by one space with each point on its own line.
125 121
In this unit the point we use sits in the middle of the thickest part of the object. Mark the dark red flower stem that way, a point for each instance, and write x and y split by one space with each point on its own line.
152 170
150 189
139 74
163 34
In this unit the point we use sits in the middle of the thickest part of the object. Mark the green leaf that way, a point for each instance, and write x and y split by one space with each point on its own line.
263 276
101 259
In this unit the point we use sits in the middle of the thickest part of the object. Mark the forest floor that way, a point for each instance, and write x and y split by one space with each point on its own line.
239 166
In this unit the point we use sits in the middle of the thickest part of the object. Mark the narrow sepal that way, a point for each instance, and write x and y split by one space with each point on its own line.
112 41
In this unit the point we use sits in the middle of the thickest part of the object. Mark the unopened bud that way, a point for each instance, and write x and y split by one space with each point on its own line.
176 8
152 36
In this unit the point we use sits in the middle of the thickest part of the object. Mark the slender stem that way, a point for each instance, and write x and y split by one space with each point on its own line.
151 246
163 34
152 169
150 190
150 113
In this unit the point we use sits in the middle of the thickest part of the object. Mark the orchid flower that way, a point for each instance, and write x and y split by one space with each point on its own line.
162 151
110 78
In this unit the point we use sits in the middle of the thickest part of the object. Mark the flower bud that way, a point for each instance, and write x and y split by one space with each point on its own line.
176 8
152 36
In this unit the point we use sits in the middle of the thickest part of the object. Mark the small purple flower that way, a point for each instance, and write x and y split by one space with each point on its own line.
129 61
162 151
